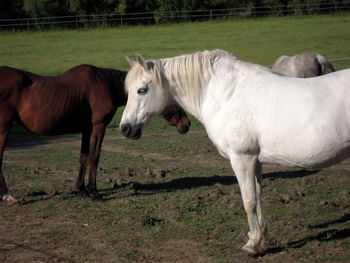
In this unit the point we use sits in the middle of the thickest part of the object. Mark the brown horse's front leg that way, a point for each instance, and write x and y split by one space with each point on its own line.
83 159
5 127
3 187
96 139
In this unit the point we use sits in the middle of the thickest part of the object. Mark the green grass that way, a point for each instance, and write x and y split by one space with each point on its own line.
260 41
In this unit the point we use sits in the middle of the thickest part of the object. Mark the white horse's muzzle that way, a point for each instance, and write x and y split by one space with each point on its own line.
131 132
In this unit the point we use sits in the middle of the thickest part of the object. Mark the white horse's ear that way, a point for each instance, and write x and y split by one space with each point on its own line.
141 61
130 62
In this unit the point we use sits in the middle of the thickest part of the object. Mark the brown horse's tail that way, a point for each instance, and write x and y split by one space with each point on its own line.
326 66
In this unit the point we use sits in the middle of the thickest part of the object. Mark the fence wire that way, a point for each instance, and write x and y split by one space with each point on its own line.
338 63
78 21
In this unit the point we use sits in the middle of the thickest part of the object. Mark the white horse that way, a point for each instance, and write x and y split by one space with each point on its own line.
251 114
303 65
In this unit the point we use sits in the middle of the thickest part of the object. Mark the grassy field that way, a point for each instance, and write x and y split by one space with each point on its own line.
167 197
261 41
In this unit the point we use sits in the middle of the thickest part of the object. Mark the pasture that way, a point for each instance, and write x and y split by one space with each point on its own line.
167 197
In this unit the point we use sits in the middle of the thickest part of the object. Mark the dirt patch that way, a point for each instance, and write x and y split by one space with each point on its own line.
182 251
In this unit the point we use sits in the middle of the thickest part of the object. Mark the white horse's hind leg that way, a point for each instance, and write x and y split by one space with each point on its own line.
246 168
262 223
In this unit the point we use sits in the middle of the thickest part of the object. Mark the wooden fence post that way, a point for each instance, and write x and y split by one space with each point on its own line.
254 13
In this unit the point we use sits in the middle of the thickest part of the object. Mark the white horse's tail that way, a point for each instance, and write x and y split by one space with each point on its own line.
326 66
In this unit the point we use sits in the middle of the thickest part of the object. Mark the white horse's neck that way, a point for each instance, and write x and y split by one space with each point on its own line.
188 78
202 76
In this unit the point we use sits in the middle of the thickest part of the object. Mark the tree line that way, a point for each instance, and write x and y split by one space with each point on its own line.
13 9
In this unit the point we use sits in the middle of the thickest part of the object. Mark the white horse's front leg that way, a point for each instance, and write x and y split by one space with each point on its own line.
246 168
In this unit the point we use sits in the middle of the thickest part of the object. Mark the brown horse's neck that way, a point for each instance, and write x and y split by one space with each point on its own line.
114 79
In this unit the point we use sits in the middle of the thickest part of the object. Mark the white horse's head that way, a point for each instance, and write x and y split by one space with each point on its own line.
147 96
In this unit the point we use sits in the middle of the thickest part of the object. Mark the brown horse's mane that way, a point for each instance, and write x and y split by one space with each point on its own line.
112 78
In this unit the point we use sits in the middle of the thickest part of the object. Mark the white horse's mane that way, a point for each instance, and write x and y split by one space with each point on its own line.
184 75
187 72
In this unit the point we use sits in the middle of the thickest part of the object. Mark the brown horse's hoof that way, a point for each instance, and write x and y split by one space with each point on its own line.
9 199
77 190
95 196
82 191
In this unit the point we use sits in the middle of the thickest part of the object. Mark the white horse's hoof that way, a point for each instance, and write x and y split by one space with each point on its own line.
10 199
250 250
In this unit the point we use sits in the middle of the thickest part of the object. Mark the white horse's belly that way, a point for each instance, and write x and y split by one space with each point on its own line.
308 155
310 131
316 145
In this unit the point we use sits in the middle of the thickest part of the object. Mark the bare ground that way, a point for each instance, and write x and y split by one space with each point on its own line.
164 203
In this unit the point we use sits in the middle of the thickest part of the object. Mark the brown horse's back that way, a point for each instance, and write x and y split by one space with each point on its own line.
70 102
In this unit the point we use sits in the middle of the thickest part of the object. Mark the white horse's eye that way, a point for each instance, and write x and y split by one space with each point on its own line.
142 91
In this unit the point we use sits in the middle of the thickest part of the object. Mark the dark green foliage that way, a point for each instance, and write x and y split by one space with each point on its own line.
161 8
47 8
11 9
91 7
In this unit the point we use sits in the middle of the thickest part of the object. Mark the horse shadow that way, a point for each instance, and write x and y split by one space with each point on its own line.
170 186
38 196
20 138
289 174
322 236
196 182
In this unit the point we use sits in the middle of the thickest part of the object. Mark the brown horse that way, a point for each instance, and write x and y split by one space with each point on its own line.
84 99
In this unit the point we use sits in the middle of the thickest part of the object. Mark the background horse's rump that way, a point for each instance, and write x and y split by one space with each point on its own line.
303 65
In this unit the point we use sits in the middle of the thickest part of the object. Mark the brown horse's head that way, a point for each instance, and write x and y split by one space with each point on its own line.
177 117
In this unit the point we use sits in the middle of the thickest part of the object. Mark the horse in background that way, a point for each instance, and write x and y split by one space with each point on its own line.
83 100
303 65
